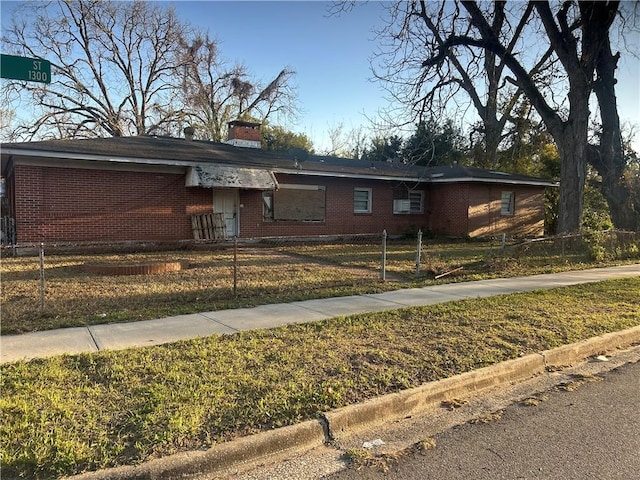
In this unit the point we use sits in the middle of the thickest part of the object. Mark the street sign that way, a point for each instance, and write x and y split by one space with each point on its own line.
22 68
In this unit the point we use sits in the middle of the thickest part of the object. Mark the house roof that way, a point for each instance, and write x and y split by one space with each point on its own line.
152 150
460 173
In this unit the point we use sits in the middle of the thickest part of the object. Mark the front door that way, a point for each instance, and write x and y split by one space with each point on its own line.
226 201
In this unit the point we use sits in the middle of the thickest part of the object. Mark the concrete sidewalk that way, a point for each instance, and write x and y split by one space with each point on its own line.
153 332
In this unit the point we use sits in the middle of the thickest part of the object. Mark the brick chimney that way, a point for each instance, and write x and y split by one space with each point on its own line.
244 134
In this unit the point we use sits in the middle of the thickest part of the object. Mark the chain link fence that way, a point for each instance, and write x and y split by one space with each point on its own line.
594 246
69 284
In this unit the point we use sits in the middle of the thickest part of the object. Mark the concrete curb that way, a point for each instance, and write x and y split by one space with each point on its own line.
349 419
575 352
290 439
353 418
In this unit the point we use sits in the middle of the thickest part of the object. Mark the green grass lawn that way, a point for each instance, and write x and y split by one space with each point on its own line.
265 274
70 414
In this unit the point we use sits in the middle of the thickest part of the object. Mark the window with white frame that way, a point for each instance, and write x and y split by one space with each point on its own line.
407 201
508 205
361 200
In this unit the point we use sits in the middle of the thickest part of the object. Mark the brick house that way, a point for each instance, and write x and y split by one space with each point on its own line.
155 188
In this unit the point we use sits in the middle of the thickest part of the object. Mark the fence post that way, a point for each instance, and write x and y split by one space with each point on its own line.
418 252
504 241
42 277
235 267
612 245
383 266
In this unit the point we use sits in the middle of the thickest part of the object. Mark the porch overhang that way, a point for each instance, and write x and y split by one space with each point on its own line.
226 176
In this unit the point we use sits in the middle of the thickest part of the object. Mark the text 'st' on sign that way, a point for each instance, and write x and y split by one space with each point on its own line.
22 68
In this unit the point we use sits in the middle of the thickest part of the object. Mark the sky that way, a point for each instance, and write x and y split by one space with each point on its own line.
330 55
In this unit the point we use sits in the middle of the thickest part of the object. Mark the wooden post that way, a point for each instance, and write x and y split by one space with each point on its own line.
42 277
383 266
235 267
418 253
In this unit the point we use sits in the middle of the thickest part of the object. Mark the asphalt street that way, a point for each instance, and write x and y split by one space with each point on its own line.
592 432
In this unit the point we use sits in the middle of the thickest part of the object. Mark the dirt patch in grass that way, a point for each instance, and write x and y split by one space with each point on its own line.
69 414
76 297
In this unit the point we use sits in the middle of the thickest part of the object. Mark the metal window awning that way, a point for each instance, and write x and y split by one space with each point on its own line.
226 176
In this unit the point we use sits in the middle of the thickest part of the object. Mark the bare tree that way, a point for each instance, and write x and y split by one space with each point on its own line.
7 115
215 94
429 84
8 106
113 66
487 41
608 157
344 142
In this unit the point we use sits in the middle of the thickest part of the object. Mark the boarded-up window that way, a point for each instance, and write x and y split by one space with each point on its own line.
299 202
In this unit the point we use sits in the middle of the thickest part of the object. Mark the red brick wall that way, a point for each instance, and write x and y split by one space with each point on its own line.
339 216
474 209
448 212
486 219
66 204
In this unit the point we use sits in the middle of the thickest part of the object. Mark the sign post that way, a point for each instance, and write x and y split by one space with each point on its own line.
28 69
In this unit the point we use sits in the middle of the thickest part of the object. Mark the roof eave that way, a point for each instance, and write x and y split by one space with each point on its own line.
363 176
291 171
94 157
535 183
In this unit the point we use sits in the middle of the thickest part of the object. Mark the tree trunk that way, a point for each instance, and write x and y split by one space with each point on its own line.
608 159
493 132
580 65
572 178
571 139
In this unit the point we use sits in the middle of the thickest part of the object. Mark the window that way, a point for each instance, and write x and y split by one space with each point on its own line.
408 201
303 203
361 200
508 206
